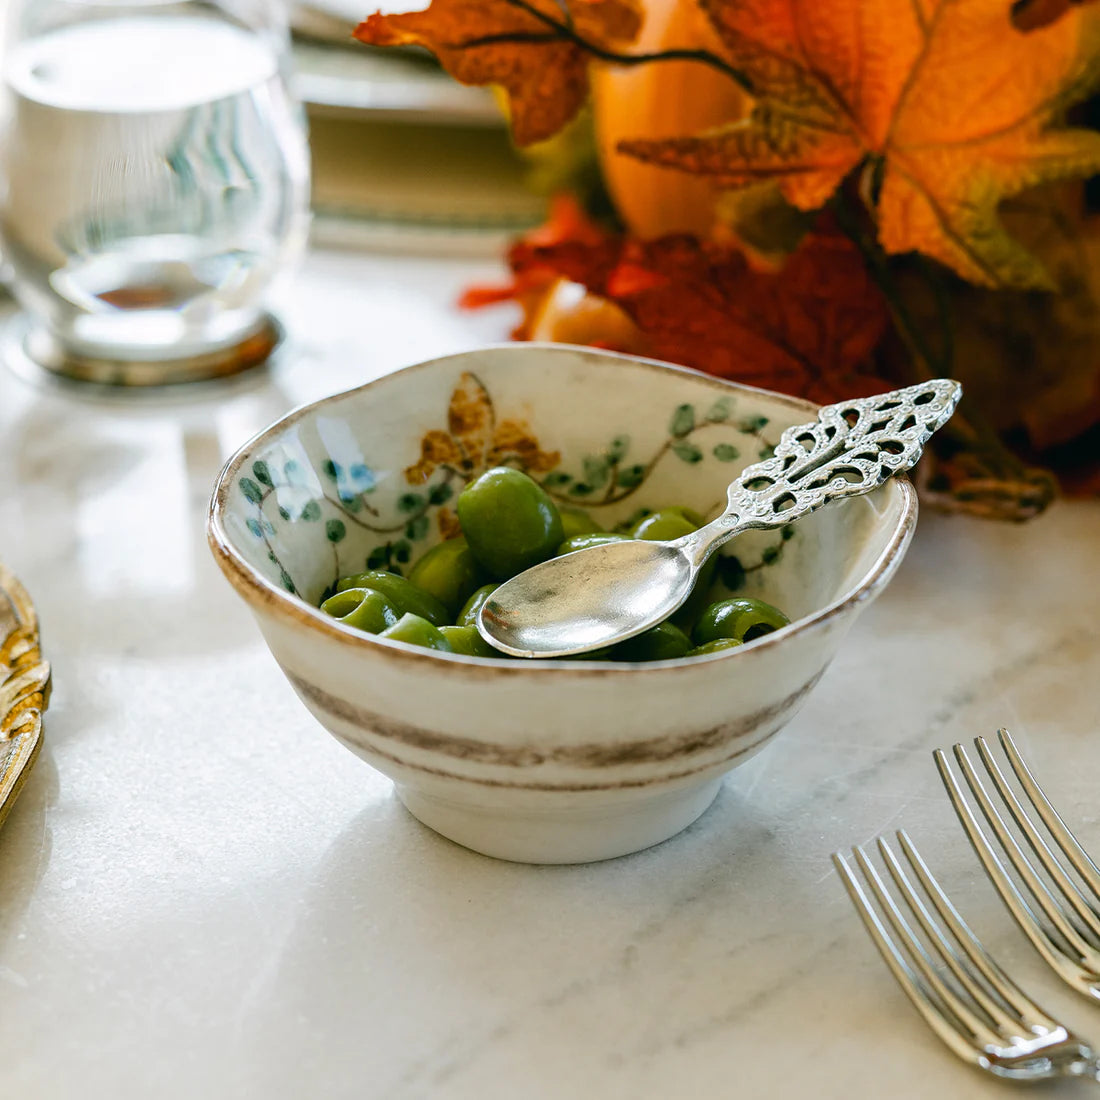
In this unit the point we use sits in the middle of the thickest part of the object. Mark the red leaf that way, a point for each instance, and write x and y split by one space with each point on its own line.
808 329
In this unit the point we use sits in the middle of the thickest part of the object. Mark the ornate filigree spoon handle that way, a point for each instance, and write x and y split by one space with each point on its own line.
850 449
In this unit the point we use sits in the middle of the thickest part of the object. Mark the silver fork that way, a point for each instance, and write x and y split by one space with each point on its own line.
968 1000
1059 916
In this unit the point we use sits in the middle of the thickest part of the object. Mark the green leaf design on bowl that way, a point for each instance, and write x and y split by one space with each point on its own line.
448 461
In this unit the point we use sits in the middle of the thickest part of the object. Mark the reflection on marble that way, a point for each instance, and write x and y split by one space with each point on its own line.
202 893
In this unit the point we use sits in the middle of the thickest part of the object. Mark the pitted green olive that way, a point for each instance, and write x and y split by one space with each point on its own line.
672 523
415 630
740 619
582 542
690 514
448 572
363 608
509 521
663 642
663 526
467 640
576 521
468 615
404 595
717 646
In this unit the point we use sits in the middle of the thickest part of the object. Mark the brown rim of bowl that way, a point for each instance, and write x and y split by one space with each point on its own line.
256 589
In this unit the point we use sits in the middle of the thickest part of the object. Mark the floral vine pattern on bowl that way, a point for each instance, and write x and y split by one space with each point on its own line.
475 440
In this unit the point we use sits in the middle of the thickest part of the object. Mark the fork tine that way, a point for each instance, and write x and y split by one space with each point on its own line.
987 1020
1000 983
1049 816
976 1027
1025 916
911 984
948 953
1039 889
1036 842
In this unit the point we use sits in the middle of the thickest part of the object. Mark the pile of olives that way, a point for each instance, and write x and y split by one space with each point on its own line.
509 523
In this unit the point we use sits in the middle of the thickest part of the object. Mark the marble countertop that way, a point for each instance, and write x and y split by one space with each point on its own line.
202 893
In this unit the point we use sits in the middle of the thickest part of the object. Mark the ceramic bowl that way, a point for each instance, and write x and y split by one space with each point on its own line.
560 761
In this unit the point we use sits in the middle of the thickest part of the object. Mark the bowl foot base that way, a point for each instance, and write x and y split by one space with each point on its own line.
564 829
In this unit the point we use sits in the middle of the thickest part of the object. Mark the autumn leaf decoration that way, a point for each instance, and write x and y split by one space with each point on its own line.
810 329
944 107
887 128
526 47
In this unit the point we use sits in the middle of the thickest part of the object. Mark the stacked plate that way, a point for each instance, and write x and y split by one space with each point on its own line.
404 156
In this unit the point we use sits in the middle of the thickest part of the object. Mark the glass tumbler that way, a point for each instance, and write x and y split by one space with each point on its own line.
154 180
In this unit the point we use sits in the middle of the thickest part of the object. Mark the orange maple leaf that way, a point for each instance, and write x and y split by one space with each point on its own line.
528 47
949 107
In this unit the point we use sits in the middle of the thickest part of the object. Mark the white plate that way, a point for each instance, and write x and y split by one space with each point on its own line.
453 187
336 74
404 157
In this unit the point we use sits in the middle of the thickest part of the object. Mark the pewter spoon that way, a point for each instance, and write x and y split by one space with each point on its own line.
605 594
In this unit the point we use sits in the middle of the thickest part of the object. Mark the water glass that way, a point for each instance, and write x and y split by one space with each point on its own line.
155 181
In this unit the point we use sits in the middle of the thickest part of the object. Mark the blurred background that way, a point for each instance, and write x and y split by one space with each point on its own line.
403 157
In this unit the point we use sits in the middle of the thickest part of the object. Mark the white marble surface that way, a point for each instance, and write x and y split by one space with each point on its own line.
202 894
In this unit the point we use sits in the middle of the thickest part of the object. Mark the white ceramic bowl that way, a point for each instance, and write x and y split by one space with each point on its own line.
546 761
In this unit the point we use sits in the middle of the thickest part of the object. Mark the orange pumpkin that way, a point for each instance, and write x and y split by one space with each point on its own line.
662 99
567 313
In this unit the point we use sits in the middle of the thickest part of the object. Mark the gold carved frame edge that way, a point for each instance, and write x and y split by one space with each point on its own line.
24 688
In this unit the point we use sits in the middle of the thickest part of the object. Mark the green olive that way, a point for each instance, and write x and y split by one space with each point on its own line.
468 615
582 542
716 646
363 608
466 639
665 525
688 613
663 642
672 523
576 521
404 595
448 572
625 526
601 654
415 630
509 521
690 514
740 619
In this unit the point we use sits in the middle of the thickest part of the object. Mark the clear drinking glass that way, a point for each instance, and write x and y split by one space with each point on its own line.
155 179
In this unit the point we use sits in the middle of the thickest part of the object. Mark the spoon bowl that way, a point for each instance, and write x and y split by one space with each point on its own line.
605 593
